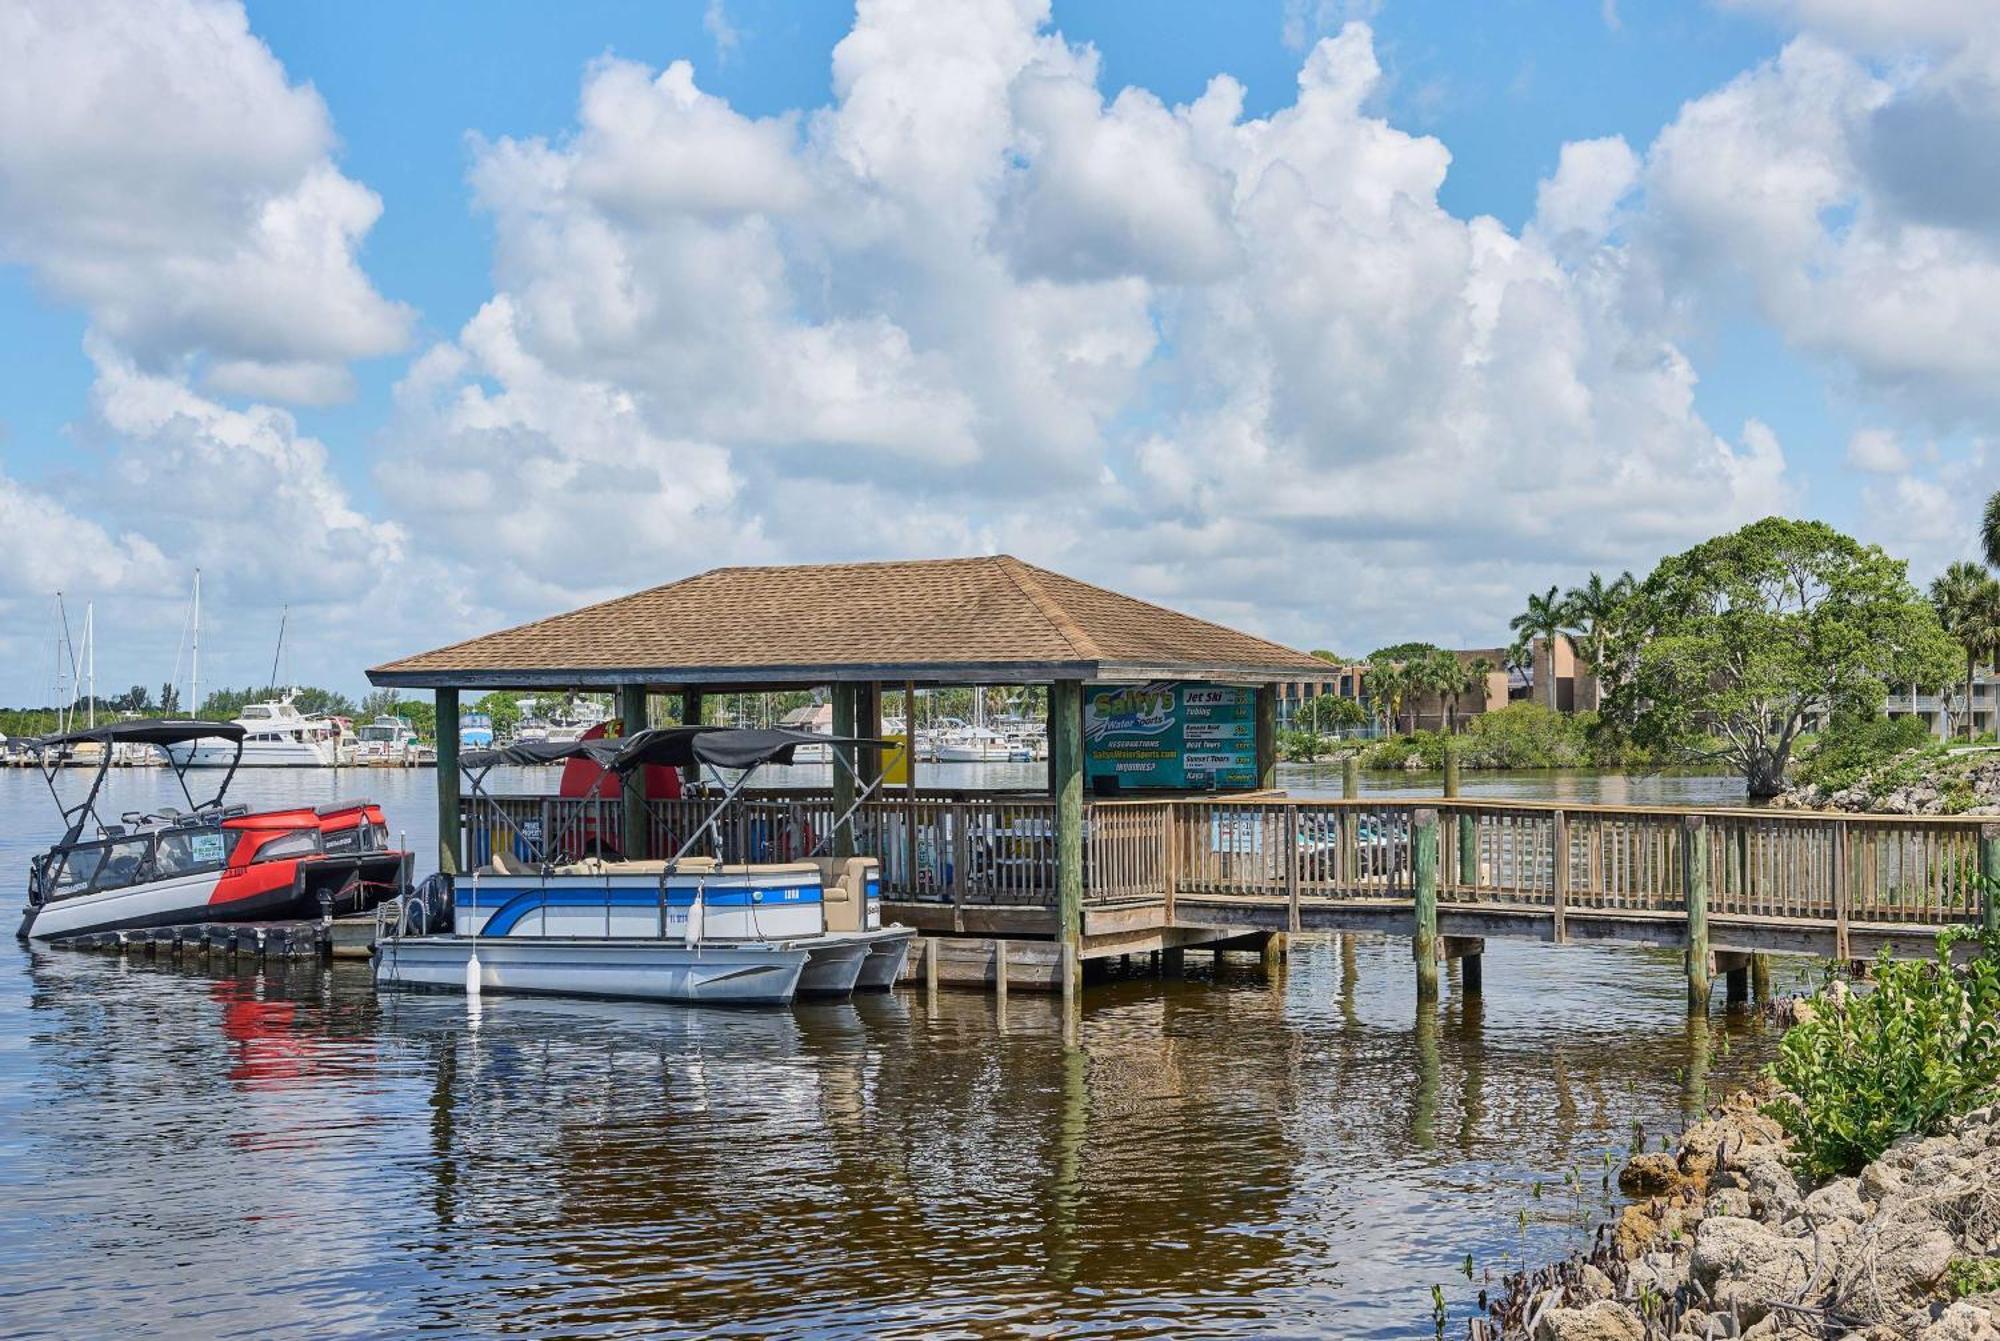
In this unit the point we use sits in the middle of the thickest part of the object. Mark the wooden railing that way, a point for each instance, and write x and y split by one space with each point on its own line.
1775 865
1000 850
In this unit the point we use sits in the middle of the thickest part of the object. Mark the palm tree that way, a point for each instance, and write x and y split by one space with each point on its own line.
1989 530
1547 617
1957 594
1471 680
1387 683
1593 610
1440 675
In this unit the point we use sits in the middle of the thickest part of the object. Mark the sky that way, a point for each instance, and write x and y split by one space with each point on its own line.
1343 323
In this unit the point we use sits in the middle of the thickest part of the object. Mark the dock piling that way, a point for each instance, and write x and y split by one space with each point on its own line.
1350 777
1989 872
1450 770
1424 861
1694 866
1760 979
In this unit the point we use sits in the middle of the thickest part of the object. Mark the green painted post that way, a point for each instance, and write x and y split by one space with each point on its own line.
868 722
1694 865
638 845
1989 871
1066 785
1350 777
691 707
1424 859
449 826
1267 736
846 708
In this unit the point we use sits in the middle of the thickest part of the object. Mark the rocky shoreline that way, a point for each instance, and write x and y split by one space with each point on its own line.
1724 1241
1919 783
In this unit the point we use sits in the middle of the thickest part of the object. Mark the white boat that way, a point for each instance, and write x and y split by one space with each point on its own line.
688 929
386 740
275 735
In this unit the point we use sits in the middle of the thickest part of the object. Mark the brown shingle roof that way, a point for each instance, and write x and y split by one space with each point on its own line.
992 619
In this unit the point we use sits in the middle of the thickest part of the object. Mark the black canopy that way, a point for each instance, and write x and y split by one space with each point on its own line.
533 753
143 731
722 747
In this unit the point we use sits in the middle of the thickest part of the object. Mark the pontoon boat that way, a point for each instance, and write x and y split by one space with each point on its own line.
208 863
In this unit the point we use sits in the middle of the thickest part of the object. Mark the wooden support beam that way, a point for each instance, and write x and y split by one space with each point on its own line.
1468 849
691 709
1736 988
1066 782
1450 769
1760 979
450 831
635 821
846 712
1424 860
1694 874
1267 736
869 724
1350 777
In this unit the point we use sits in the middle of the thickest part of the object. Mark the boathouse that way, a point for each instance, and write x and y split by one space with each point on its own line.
984 864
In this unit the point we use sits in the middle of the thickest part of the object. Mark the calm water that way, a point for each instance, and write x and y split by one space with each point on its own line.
197 1152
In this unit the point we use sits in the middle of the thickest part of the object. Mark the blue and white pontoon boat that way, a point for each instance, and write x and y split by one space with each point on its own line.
690 928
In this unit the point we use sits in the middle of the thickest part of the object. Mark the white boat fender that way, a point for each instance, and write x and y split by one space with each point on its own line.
695 916
472 973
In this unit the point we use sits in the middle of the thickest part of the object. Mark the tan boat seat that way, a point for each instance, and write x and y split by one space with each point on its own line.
844 888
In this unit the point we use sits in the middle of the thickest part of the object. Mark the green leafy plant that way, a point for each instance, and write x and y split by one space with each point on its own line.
1916 1048
1965 1276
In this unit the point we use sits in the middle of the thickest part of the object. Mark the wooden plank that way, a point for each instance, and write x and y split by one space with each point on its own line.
1560 897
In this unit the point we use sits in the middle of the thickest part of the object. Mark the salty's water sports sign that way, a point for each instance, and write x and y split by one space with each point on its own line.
1168 736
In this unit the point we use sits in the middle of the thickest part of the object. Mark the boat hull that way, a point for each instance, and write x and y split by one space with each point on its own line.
833 966
888 950
280 892
629 969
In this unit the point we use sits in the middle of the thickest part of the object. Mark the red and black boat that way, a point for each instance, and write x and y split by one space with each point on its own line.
209 863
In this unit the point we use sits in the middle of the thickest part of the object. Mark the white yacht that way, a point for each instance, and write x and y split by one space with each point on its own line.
275 735
386 740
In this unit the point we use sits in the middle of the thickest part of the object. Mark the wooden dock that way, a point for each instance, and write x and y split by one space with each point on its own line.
1166 875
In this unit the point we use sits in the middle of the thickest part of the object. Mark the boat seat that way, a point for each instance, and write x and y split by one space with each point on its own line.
844 890
599 866
506 863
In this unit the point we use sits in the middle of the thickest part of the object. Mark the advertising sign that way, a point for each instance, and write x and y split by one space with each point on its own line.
1170 737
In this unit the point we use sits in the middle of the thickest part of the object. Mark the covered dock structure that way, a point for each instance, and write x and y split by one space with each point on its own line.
1006 868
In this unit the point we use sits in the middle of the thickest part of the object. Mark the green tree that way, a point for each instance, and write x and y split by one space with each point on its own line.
170 699
1989 531
1328 713
1965 598
1593 611
1387 684
1737 645
381 703
1439 675
504 710
1547 617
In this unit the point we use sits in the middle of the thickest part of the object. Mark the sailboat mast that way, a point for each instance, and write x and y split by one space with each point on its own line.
90 659
279 650
194 675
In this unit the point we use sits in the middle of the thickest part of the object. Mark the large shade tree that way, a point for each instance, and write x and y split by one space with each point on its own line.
1741 643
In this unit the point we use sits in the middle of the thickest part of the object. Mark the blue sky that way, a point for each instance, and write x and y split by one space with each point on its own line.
421 103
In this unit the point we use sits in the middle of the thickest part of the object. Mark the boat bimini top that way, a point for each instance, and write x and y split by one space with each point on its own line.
51 750
722 747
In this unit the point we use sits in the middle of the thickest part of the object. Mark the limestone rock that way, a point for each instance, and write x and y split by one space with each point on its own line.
1774 1188
1838 1200
1963 1321
1888 1271
1649 1175
1744 1266
1601 1321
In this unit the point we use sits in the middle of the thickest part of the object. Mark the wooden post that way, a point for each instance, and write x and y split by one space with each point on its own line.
1842 891
1000 971
1561 896
1694 866
1760 979
1267 736
1736 988
910 790
1989 871
1350 777
845 711
691 707
449 826
1066 782
931 967
636 820
1275 949
1472 977
1468 850
868 714
1291 840
1424 857
1450 770
1173 961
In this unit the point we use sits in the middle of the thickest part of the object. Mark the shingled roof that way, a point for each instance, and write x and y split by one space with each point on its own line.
987 620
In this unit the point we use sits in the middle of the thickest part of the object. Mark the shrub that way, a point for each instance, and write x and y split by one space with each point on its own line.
1856 745
1921 1046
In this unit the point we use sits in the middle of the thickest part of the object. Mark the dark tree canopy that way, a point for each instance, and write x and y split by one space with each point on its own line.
1732 649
